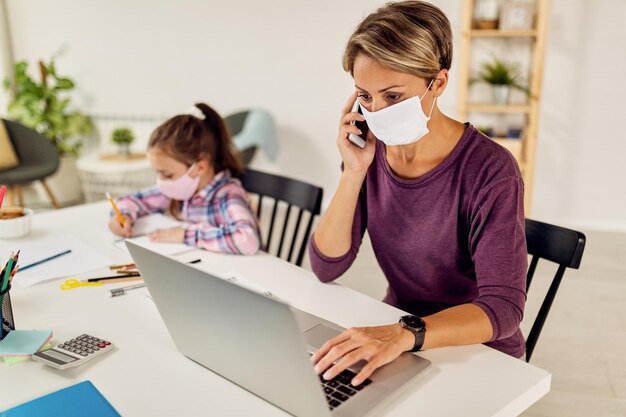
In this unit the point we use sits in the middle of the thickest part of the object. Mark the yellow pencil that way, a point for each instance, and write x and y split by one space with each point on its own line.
117 212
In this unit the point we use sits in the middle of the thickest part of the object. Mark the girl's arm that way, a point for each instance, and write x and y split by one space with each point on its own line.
234 229
142 203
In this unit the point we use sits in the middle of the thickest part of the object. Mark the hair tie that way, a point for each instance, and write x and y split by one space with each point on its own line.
194 111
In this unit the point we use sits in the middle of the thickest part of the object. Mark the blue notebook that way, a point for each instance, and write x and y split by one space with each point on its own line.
80 400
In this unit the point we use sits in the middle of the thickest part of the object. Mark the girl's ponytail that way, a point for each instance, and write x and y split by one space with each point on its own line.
226 155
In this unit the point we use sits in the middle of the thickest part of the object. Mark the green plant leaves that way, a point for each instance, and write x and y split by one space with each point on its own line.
122 135
45 106
498 72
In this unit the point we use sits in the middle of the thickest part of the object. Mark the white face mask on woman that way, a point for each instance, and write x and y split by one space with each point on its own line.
401 123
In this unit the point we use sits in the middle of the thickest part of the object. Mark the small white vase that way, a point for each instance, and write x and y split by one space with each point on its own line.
123 149
501 94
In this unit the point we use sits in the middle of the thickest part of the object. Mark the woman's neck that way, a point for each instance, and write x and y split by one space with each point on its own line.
416 159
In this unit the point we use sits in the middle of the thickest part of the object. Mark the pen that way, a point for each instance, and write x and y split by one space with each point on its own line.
122 291
130 274
117 212
45 260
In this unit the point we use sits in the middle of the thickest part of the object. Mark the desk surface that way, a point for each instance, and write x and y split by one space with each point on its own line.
147 376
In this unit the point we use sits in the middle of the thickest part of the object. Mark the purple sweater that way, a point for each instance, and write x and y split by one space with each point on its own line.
452 236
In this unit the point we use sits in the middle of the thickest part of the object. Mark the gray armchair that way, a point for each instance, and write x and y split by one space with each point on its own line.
38 160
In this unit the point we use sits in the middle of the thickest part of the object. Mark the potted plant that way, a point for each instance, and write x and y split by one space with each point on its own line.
123 137
45 105
486 14
502 77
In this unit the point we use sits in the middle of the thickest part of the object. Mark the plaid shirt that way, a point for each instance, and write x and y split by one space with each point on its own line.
219 215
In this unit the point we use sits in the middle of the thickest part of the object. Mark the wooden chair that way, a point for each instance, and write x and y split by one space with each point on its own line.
38 160
556 244
305 197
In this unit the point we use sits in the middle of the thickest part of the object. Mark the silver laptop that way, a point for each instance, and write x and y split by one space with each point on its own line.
260 343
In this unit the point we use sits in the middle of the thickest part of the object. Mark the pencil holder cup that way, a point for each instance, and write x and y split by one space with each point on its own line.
6 313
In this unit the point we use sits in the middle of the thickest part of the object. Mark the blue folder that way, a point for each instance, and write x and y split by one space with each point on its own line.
78 400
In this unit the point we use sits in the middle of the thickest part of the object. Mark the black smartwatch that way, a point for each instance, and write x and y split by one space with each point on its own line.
417 326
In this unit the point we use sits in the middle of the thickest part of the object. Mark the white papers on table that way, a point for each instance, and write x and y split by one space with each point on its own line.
148 224
152 222
81 259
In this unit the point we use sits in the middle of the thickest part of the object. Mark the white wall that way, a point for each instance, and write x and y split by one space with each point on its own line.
580 178
156 58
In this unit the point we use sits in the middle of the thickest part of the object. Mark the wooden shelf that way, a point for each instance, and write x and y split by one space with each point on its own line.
497 108
525 148
515 146
497 33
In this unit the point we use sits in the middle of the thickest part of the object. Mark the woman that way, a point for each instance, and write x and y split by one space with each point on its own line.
442 203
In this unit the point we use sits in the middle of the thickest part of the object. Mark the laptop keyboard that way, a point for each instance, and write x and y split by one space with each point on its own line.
339 390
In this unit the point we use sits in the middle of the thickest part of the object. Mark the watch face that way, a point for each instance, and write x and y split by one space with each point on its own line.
413 322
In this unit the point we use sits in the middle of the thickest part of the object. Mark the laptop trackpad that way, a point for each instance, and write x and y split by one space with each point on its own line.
319 335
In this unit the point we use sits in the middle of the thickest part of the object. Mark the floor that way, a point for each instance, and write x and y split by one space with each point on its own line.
583 343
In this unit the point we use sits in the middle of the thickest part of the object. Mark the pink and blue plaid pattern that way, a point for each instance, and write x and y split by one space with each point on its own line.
219 216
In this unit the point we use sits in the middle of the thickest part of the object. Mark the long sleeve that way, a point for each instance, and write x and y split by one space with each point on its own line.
328 269
498 249
142 203
232 228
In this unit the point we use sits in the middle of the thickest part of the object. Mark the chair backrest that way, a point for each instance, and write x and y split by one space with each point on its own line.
305 197
235 123
31 146
556 244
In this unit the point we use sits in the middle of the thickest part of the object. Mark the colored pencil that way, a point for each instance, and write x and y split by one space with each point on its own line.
130 274
117 212
2 191
46 259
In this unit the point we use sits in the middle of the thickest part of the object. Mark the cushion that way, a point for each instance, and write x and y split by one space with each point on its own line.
8 157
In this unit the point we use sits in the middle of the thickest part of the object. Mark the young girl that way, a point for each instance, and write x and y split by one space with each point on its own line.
197 167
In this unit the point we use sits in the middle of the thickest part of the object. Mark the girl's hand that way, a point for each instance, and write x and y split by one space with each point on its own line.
354 158
116 227
173 235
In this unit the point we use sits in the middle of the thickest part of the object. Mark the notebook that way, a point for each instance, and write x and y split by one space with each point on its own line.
80 400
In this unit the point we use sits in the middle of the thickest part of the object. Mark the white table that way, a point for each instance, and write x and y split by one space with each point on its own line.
147 376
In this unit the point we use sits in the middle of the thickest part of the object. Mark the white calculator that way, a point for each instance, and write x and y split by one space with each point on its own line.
74 352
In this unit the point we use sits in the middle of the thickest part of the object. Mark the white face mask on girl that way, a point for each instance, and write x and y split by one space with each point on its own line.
401 123
182 188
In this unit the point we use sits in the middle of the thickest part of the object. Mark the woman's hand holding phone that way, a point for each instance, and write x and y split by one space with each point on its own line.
355 158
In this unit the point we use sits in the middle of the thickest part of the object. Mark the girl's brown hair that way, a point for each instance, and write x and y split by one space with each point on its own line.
188 139
412 37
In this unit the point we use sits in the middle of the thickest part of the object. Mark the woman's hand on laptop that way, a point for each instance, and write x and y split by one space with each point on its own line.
376 345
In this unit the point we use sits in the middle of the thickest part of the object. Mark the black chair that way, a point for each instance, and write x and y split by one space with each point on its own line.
38 160
305 197
556 244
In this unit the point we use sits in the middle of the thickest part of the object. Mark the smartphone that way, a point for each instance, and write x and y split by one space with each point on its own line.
362 126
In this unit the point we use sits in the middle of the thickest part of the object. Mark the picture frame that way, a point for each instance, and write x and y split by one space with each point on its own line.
517 15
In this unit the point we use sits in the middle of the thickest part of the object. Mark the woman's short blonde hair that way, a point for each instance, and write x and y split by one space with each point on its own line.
412 37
